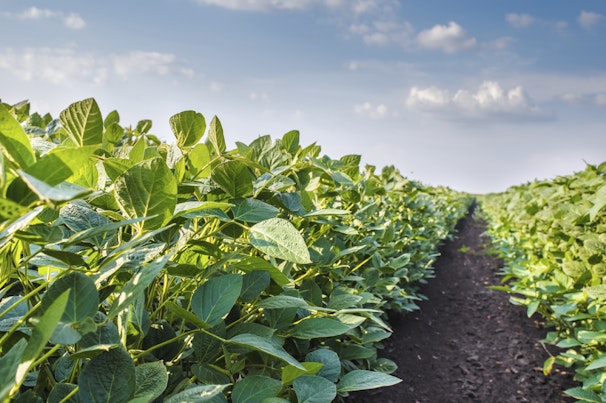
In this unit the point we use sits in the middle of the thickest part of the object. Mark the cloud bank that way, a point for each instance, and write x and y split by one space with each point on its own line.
71 20
490 101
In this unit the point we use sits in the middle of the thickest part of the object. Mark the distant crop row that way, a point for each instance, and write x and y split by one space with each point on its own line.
135 270
552 235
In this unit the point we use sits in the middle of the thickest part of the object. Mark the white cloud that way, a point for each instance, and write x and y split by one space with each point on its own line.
600 99
588 19
269 5
383 32
71 20
259 97
489 101
74 21
369 110
139 62
449 38
53 65
65 66
519 20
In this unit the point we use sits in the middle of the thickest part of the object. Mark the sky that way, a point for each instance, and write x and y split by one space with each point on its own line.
475 95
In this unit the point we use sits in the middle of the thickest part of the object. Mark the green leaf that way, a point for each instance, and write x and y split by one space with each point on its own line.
199 160
151 379
327 211
14 143
83 122
147 189
584 395
17 225
9 363
253 285
253 210
186 315
255 263
82 305
277 237
109 377
215 136
61 192
361 380
290 373
331 368
290 141
266 346
188 127
137 285
282 301
318 327
214 299
234 178
595 364
60 164
197 394
114 133
314 389
60 391
255 388
44 328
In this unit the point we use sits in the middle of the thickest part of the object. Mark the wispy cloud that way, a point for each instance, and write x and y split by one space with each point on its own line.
60 66
70 20
372 111
588 20
520 20
490 101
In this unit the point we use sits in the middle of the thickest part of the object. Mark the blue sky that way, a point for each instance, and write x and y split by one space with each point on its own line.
474 95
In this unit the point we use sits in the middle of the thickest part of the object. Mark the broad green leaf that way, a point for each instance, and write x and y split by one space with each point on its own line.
361 380
9 363
45 325
151 379
188 127
114 167
83 122
318 327
206 347
290 373
584 395
60 164
214 299
189 209
290 141
331 368
82 305
109 377
61 192
199 161
137 285
254 263
282 301
111 118
14 143
253 284
147 189
595 364
266 346
113 133
327 211
253 210
61 391
215 136
106 333
277 237
197 394
234 178
314 389
255 388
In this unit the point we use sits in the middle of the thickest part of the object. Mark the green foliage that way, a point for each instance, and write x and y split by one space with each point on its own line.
134 270
552 236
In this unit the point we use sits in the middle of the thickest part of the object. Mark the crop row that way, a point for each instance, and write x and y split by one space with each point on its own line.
136 270
552 236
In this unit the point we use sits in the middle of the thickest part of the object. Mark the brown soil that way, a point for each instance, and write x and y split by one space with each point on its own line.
468 343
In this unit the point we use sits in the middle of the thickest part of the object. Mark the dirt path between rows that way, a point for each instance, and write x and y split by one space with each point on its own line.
468 343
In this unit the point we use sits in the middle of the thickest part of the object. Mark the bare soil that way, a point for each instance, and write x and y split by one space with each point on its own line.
468 343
